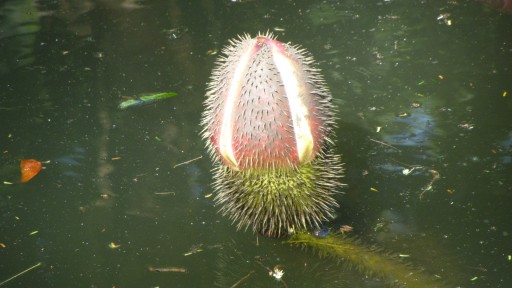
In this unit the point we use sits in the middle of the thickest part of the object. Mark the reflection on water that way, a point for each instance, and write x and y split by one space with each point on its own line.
112 178
20 24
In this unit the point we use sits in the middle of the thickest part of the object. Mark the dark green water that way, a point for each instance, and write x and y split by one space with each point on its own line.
66 65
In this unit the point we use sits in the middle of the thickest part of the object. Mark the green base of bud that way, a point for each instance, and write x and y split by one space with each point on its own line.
278 201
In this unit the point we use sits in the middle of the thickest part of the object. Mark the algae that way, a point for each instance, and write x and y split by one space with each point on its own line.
367 260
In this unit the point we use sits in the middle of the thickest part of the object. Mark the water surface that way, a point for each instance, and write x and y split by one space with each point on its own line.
424 94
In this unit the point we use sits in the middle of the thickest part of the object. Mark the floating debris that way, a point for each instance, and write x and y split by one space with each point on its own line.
385 144
466 126
435 176
346 228
403 115
277 272
21 273
186 162
444 18
175 33
241 1
145 100
113 245
242 279
408 171
167 269
194 249
29 169
165 193
415 105
434 173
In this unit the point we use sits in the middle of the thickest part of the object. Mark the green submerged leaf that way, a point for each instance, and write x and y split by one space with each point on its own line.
146 99
158 96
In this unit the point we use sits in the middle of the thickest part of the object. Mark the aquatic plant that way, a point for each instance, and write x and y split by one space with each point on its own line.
269 127
367 260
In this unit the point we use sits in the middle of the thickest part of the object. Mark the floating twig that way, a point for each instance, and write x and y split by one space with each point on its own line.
164 193
186 162
385 144
167 269
194 249
435 177
405 164
21 273
242 279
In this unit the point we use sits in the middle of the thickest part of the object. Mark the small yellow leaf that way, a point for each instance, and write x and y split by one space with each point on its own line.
374 190
504 94
33 232
193 251
113 245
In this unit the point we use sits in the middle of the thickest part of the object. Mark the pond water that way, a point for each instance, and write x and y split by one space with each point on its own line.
424 93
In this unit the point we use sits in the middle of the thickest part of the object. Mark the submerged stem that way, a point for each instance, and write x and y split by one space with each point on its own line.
366 260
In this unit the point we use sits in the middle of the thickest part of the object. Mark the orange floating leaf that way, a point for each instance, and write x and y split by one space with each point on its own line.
29 169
